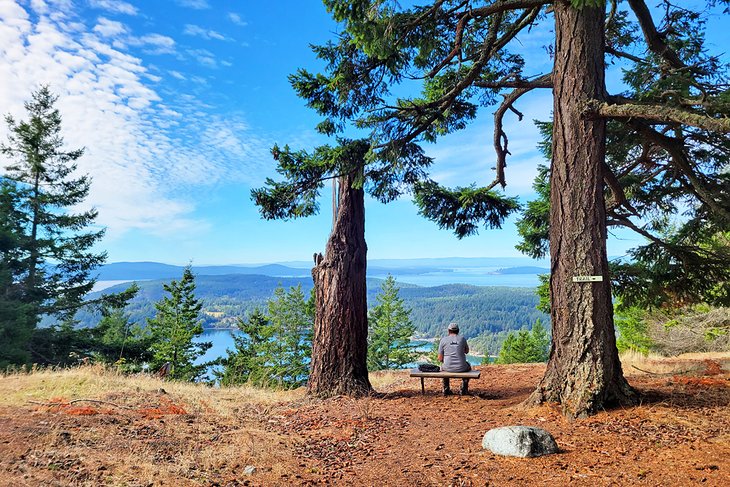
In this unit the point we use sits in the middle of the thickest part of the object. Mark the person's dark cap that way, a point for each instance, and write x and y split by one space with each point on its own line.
453 327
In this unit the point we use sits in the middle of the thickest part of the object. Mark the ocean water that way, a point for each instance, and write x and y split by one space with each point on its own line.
222 341
476 276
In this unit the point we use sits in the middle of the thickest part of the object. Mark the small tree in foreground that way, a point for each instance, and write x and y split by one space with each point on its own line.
274 350
175 327
390 330
525 346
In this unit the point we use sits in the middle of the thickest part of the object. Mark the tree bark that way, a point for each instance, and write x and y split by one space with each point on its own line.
339 346
584 372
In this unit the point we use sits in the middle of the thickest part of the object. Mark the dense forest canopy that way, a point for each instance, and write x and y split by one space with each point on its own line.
477 309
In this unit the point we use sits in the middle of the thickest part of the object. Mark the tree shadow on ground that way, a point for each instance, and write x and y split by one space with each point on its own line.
511 394
686 396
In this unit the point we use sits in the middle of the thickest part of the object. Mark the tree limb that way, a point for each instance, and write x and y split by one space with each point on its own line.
654 40
618 192
625 55
657 113
500 137
676 150
544 81
508 5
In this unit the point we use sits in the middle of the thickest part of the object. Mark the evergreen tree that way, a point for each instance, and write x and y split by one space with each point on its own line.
116 340
525 346
275 349
389 336
247 362
174 328
632 330
290 347
18 317
54 256
460 51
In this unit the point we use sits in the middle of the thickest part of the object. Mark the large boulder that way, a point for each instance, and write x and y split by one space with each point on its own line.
519 441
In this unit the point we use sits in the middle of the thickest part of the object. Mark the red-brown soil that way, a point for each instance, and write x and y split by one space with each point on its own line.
679 435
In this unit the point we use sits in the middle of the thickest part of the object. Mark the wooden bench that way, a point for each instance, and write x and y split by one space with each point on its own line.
472 374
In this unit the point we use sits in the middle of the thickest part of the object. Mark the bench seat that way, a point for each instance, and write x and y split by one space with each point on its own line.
472 374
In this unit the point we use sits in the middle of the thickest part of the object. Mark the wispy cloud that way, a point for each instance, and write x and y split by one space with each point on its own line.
204 57
194 4
197 31
116 6
141 156
154 43
236 19
109 28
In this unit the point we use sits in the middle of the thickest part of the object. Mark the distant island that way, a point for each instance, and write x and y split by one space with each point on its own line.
522 270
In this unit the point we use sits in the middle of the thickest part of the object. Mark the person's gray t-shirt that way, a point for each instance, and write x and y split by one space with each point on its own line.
453 347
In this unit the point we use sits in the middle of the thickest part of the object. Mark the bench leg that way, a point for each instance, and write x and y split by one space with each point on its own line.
423 388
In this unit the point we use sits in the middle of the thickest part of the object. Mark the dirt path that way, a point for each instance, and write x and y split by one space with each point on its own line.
680 435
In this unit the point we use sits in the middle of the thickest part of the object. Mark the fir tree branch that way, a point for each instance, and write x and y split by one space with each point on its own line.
507 6
676 150
544 81
656 113
654 40
619 195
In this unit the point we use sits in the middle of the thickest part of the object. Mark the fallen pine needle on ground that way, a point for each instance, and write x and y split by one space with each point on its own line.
92 426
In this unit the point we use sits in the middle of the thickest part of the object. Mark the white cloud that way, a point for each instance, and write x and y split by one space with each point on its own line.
177 75
204 57
154 43
116 6
109 28
197 31
141 156
236 19
194 4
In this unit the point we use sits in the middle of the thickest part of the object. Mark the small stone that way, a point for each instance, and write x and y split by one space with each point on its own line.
519 441
249 470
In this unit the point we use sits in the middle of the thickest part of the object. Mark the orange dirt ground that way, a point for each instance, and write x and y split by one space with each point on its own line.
679 435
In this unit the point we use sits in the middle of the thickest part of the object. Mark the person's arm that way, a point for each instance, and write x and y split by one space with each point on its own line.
441 352
466 346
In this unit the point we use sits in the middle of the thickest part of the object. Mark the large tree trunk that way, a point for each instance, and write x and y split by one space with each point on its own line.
339 347
584 372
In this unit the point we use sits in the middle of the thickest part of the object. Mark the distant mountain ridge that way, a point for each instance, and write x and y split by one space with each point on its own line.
128 271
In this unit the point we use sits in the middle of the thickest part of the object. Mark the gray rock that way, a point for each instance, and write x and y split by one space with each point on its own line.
249 470
519 441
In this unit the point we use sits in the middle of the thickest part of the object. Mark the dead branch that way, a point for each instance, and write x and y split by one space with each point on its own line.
500 137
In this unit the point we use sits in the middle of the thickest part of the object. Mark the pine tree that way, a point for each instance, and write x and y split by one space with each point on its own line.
290 350
247 362
390 330
55 246
174 328
275 349
116 340
525 346
18 317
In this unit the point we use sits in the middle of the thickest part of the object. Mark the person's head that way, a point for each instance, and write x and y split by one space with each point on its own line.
453 329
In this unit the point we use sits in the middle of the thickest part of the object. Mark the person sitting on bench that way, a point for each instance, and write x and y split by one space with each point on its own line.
452 353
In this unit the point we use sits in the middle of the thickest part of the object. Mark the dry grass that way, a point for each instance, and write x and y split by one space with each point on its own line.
635 362
146 432
95 381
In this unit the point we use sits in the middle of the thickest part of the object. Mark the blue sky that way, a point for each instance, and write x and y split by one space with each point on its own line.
178 102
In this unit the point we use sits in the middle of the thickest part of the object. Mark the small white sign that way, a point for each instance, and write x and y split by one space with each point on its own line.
587 278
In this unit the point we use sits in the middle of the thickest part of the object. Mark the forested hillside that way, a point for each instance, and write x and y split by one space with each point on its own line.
228 297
